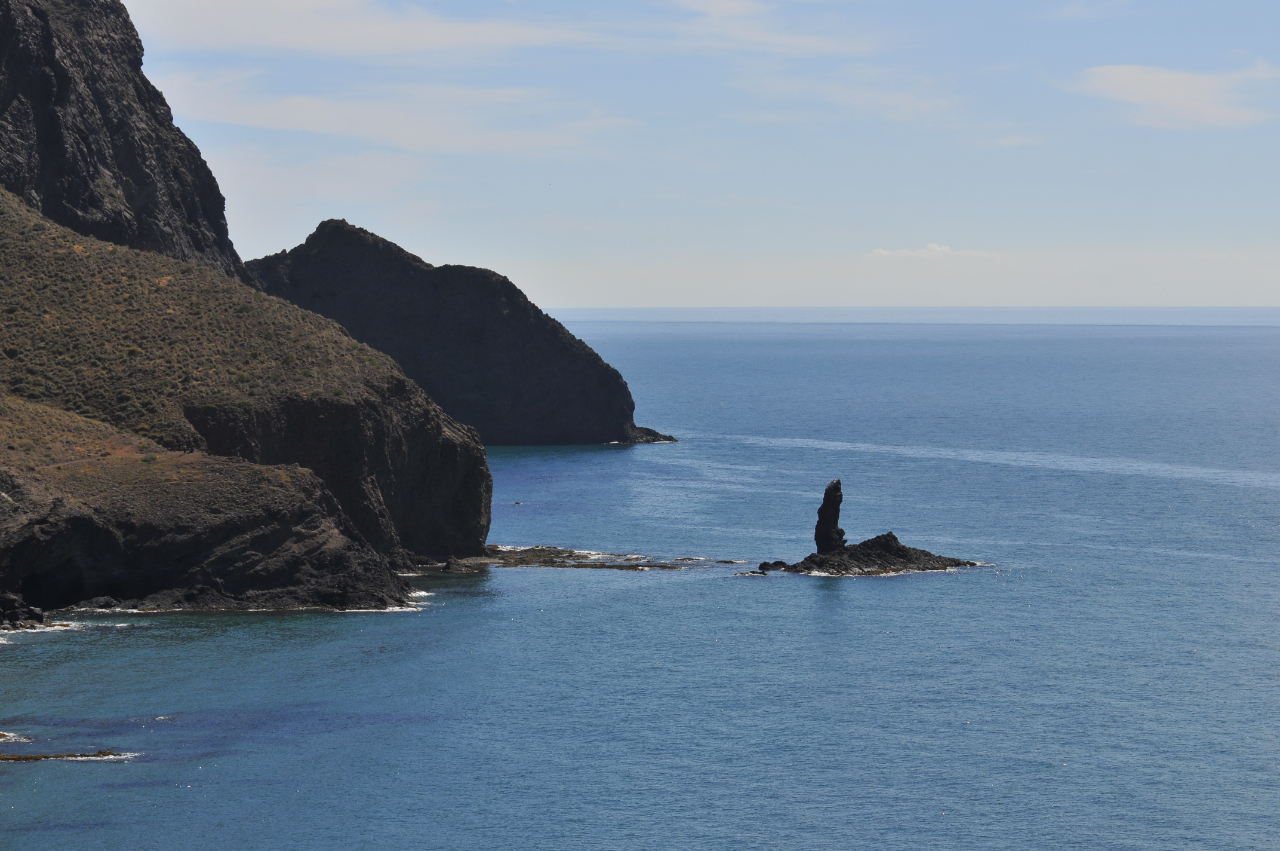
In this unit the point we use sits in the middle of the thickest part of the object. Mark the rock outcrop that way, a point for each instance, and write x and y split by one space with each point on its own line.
469 336
195 360
88 141
14 611
876 556
91 515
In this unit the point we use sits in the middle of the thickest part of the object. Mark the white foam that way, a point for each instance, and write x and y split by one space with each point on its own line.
374 611
14 739
421 594
120 757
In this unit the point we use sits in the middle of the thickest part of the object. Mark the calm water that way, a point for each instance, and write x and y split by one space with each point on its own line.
1111 681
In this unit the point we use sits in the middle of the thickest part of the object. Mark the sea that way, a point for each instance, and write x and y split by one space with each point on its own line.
1107 678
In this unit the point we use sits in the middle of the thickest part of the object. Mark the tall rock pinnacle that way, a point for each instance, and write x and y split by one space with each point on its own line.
827 534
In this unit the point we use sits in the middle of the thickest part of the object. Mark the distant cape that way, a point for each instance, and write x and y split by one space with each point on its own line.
469 336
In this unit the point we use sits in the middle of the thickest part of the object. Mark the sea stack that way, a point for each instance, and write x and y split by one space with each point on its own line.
468 336
878 556
828 535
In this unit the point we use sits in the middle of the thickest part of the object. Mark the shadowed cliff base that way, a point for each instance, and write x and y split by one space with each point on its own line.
88 141
469 336
92 515
194 360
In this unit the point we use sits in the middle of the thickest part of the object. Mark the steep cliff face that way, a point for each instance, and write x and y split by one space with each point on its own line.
87 511
469 336
89 142
198 361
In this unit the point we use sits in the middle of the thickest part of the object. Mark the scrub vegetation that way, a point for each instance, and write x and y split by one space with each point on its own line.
133 338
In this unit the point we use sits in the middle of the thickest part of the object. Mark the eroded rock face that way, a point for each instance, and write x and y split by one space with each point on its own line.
408 476
90 143
469 336
91 514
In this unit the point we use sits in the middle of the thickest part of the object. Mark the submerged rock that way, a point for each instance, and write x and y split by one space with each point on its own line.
469 336
876 556
89 142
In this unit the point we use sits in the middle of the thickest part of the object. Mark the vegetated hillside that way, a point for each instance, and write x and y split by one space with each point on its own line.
88 511
88 141
196 360
469 336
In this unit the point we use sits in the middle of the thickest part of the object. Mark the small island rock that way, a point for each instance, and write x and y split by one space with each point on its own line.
883 554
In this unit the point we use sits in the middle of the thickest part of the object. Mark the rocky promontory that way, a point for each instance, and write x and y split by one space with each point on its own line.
196 361
86 139
469 336
878 556
93 516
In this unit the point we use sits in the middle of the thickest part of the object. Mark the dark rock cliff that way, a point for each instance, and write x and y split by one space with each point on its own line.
88 513
198 361
89 142
469 336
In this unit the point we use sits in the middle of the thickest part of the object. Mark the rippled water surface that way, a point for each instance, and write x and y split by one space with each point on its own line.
1110 681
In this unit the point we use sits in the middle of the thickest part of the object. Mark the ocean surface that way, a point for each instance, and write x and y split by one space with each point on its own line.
1108 679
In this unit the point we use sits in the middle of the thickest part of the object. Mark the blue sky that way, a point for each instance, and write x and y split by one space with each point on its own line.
735 152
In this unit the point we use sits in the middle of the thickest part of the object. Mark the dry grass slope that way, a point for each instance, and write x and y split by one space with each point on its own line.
130 337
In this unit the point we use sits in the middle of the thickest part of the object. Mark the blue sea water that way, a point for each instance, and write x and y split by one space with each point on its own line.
1109 679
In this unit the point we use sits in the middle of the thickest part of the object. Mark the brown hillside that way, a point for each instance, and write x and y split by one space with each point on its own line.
193 359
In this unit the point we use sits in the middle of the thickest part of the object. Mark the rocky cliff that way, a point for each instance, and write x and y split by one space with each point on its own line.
195 360
89 142
469 336
90 514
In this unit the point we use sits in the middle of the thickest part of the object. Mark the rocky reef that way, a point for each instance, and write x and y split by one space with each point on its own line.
93 516
86 139
883 554
469 336
193 360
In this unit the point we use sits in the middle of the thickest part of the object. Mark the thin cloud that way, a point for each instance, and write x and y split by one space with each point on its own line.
367 28
752 26
863 89
421 119
1015 141
932 251
330 27
1087 10
1179 99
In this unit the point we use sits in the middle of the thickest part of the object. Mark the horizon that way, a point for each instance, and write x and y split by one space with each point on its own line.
733 152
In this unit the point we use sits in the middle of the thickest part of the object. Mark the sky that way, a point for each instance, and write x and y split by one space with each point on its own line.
702 153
